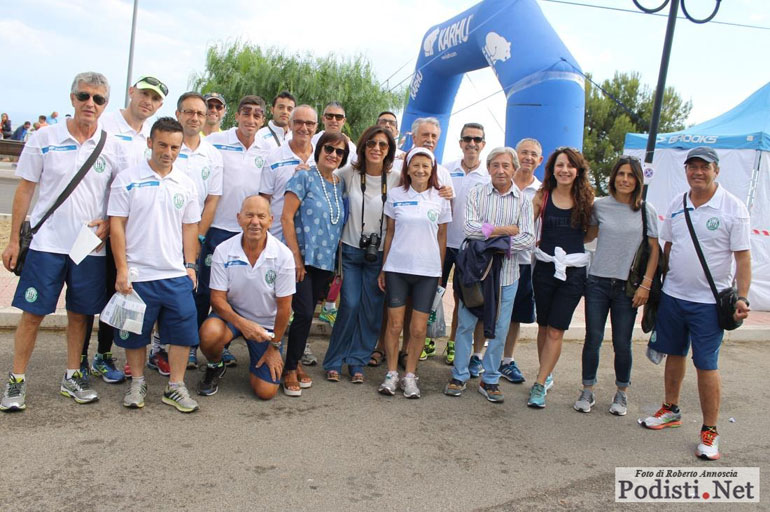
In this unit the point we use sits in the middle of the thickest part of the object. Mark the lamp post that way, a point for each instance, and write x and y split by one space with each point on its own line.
131 51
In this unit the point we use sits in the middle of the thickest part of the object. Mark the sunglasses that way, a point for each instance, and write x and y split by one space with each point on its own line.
468 139
387 122
157 83
84 96
329 149
338 117
371 143
215 105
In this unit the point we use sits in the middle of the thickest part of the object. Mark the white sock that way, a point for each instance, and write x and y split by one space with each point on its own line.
410 375
328 306
71 372
174 385
138 380
18 376
507 360
393 373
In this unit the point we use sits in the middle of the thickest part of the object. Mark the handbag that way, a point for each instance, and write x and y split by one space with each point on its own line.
726 298
26 232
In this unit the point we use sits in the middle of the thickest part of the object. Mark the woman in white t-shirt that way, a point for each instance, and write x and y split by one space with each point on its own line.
617 219
359 319
414 254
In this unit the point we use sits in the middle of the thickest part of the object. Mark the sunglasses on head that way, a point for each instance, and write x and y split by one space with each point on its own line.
84 96
329 149
338 117
468 139
215 105
371 143
157 83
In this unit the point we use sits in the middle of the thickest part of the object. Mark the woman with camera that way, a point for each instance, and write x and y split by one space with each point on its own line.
359 317
312 221
415 242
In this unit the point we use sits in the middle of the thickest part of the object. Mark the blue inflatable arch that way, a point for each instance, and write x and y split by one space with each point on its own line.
541 80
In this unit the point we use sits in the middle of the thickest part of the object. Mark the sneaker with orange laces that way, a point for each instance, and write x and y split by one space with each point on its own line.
708 449
665 417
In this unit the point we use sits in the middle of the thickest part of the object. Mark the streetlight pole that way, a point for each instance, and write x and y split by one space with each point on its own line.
131 51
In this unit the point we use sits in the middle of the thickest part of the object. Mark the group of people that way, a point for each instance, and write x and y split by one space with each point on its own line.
24 130
240 232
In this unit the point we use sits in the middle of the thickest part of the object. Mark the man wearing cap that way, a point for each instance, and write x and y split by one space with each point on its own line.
217 108
51 159
252 283
241 177
687 313
276 132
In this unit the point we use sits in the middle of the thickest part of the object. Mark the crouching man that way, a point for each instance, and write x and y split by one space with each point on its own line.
252 283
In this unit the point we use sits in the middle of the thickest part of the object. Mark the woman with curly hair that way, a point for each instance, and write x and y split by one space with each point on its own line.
563 205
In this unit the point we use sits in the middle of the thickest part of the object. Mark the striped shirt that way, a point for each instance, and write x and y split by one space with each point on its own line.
486 208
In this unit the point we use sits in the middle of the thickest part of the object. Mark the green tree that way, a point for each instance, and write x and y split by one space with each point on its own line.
235 70
606 122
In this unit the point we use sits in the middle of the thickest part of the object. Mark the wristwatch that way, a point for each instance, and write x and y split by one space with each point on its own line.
744 299
193 266
276 344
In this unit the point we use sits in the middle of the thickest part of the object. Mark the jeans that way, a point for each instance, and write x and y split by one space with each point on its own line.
466 323
359 317
309 291
603 296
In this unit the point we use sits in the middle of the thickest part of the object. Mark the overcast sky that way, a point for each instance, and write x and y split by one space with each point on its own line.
45 42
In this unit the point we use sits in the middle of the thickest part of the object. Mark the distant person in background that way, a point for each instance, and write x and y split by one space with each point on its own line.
216 110
21 132
389 121
42 121
6 126
276 132
333 120
53 118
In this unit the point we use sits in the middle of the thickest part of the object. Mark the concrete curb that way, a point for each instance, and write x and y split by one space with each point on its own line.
8 174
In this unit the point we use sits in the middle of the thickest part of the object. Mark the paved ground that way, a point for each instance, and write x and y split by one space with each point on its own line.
342 446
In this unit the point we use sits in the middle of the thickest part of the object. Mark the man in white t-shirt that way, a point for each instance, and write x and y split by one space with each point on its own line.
276 132
389 121
51 158
216 108
530 154
425 134
281 164
466 173
687 313
252 283
333 119
154 216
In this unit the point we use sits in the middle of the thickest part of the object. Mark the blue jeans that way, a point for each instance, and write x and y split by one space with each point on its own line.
359 317
466 323
603 296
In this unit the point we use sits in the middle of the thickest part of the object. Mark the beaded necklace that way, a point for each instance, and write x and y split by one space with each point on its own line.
334 220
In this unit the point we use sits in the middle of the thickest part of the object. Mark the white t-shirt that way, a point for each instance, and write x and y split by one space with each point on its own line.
462 183
241 176
444 178
525 257
134 142
351 233
51 158
204 167
279 167
266 139
156 209
722 226
352 155
414 248
251 291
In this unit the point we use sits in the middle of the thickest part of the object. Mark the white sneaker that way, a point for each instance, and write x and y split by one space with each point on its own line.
708 449
409 385
585 402
619 405
389 385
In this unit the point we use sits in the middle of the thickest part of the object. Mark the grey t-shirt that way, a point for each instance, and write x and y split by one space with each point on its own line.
620 233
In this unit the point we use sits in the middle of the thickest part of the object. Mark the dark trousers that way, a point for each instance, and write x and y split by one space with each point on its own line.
309 291
106 332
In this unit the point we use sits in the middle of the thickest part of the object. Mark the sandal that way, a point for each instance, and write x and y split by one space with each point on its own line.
304 379
333 376
376 358
291 386
357 378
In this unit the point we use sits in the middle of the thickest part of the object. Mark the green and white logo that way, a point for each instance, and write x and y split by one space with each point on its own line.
178 201
270 276
30 295
123 334
205 173
100 165
208 260
432 215
713 223
259 161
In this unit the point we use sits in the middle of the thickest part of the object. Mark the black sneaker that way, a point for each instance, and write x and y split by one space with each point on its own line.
209 384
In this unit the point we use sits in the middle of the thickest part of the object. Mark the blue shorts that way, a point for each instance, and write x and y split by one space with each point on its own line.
44 275
524 303
171 303
214 237
256 351
680 323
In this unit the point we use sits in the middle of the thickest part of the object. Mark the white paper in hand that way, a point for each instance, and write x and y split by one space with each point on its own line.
84 244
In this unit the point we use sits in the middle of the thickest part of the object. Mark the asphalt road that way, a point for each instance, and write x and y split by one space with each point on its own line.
342 446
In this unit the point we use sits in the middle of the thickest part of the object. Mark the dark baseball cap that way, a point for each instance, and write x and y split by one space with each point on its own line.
215 96
704 153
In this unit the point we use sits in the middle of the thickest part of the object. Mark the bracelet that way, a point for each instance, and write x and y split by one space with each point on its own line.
644 287
645 278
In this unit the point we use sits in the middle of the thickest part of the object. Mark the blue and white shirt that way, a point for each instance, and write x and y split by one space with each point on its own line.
135 143
462 183
204 167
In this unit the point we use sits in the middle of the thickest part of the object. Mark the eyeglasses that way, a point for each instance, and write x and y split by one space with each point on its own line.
85 96
468 139
338 117
388 122
329 149
252 112
155 82
299 122
215 105
194 113
371 143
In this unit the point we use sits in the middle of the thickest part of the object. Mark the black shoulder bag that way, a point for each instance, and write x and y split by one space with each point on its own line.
26 232
727 298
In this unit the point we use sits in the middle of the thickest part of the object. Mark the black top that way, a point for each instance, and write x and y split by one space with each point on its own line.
557 230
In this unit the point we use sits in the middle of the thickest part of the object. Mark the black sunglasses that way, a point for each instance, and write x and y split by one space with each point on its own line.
331 149
467 139
215 105
338 117
85 96
157 83
382 144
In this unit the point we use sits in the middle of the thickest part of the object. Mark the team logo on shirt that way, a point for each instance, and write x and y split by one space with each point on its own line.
31 294
270 276
100 165
123 334
432 215
259 161
178 201
207 261
712 224
205 173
